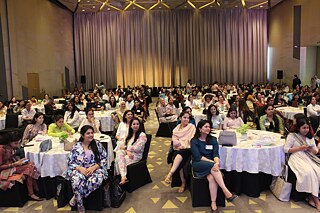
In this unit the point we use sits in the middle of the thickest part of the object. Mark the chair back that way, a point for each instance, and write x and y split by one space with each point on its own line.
89 105
157 114
12 121
146 147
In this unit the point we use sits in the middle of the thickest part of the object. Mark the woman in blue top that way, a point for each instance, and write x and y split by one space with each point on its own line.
206 163
191 118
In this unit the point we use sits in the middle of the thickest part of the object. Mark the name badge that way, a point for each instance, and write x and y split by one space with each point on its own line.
138 110
209 147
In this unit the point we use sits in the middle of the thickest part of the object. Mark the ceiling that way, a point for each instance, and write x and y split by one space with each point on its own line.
88 6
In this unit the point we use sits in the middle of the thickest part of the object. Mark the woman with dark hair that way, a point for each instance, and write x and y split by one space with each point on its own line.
206 162
122 131
132 150
60 128
3 108
87 167
190 102
36 127
270 121
71 116
112 104
303 161
138 110
191 118
14 169
214 116
232 121
91 120
19 107
244 111
181 137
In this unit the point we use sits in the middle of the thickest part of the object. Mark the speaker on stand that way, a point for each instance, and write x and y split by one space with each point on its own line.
83 81
280 75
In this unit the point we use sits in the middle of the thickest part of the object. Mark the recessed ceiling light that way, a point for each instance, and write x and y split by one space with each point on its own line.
211 6
159 7
236 6
108 8
93 6
185 6
83 10
261 5
134 8
88 1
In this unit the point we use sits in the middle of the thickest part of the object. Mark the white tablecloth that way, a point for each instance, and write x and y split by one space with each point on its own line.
55 162
246 156
289 112
56 100
104 117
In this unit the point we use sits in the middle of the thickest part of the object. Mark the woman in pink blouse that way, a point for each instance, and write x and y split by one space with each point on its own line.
132 150
181 137
232 121
36 127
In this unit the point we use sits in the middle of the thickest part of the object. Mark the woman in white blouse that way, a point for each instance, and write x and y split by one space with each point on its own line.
71 116
313 112
215 118
303 160
232 121
122 131
91 121
190 102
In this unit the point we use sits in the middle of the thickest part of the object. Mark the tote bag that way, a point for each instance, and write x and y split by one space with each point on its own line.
280 187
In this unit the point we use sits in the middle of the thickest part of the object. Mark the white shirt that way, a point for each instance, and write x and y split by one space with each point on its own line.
312 110
86 122
73 122
28 114
129 105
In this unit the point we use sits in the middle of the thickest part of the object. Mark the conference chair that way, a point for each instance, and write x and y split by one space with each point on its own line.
17 196
137 173
165 129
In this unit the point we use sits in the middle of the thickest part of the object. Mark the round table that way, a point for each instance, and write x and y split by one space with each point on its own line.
55 162
106 122
289 112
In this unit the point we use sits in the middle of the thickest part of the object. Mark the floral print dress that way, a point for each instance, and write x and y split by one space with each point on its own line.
122 159
82 185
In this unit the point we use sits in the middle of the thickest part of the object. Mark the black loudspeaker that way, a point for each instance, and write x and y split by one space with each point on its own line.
280 74
83 79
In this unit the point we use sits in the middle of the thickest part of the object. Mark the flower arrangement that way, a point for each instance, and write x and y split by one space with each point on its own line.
243 129
63 136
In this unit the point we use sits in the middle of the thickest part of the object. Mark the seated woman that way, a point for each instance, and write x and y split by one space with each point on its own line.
19 107
181 137
191 103
164 113
138 110
60 128
118 114
206 162
71 116
215 118
36 127
87 167
123 129
191 118
222 104
132 150
207 100
303 161
232 121
112 104
3 109
91 121
271 121
46 99
313 113
14 169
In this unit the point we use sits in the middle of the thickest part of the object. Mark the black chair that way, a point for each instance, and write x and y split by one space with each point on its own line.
165 129
200 194
295 195
12 121
17 196
95 200
137 173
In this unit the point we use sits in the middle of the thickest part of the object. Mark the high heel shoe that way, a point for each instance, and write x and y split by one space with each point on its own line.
168 178
214 210
233 196
73 201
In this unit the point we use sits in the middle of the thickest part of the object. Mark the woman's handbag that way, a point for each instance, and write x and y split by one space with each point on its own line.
228 138
64 191
280 187
68 145
170 154
45 145
117 192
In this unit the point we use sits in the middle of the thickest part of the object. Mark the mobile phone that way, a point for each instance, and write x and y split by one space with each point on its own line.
25 161
102 136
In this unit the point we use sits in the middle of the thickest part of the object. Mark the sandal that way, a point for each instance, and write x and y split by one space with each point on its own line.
73 201
123 181
81 209
168 178
182 188
35 197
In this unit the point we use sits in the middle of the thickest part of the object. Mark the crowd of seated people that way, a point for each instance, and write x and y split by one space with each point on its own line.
244 103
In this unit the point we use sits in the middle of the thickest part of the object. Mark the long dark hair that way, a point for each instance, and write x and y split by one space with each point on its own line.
36 116
74 109
114 103
130 134
93 143
199 126
209 115
232 108
274 118
10 137
302 120
125 114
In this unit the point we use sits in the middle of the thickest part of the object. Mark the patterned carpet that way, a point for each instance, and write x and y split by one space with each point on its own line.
159 197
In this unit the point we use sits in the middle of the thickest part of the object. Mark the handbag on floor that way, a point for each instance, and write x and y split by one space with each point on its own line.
64 191
280 187
117 192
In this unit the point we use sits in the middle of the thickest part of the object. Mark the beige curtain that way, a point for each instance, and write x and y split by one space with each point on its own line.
163 48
